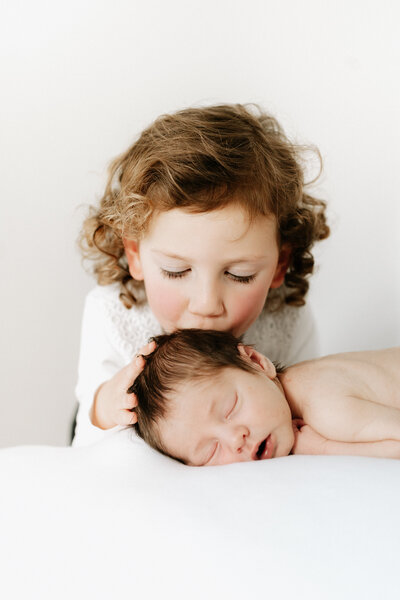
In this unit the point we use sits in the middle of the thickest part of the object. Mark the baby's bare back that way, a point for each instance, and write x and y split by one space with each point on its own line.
373 375
353 396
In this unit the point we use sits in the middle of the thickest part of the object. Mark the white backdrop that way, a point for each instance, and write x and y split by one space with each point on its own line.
81 79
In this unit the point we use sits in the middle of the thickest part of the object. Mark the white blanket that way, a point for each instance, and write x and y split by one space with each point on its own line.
118 520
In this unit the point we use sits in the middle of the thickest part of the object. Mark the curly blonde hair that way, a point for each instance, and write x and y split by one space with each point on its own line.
200 160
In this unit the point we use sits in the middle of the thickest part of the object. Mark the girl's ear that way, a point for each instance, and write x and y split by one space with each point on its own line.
133 257
282 266
251 355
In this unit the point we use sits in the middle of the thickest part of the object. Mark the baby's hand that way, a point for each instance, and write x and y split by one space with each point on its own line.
306 439
112 404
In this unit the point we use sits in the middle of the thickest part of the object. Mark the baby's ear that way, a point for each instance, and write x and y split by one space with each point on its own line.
133 257
251 355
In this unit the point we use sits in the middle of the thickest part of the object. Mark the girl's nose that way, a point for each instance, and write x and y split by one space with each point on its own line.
206 300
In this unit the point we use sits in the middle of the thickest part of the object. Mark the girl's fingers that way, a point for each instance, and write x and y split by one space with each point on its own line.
138 362
132 370
130 401
135 367
126 417
148 348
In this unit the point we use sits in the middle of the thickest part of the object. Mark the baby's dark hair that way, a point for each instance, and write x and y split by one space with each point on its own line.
185 355
200 160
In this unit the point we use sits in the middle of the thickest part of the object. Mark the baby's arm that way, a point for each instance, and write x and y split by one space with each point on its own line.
308 441
352 419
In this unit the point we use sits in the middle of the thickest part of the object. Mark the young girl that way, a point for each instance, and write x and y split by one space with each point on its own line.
205 224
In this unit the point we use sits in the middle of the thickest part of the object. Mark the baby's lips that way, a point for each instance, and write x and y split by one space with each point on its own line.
255 450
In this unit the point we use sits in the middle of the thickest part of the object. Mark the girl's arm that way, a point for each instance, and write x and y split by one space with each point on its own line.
99 360
104 373
308 441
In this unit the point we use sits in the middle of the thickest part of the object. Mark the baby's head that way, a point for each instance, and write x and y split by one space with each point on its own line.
185 167
206 399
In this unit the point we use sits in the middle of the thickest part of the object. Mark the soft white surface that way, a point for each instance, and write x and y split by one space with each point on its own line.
117 520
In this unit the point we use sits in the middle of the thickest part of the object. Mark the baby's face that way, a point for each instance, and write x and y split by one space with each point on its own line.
235 416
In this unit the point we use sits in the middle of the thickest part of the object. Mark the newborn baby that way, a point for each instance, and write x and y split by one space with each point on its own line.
206 399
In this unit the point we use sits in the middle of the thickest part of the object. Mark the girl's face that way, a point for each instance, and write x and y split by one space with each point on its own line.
210 270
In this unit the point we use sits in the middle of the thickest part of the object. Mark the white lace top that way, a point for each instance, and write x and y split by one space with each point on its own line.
113 334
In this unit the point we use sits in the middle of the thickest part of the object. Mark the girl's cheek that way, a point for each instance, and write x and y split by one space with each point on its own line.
165 301
248 306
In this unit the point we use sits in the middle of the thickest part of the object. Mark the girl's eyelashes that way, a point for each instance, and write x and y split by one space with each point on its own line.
241 278
174 274
184 272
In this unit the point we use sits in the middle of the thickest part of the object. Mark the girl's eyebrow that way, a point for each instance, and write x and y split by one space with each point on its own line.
233 261
170 255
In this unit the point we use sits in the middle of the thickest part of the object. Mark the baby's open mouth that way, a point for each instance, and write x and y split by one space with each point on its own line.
261 449
265 449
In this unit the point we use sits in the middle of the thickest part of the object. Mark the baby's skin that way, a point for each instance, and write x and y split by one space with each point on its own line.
340 404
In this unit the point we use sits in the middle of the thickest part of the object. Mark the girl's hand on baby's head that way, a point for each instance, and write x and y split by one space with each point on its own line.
112 404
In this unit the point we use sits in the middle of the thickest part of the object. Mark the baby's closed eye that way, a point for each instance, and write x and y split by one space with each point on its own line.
232 407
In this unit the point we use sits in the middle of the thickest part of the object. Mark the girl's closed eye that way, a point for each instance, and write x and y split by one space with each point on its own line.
182 273
174 274
241 278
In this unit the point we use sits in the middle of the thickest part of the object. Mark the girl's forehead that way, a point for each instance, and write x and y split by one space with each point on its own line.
230 224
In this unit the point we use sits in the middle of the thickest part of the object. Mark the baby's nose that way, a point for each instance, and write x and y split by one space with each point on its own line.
239 439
